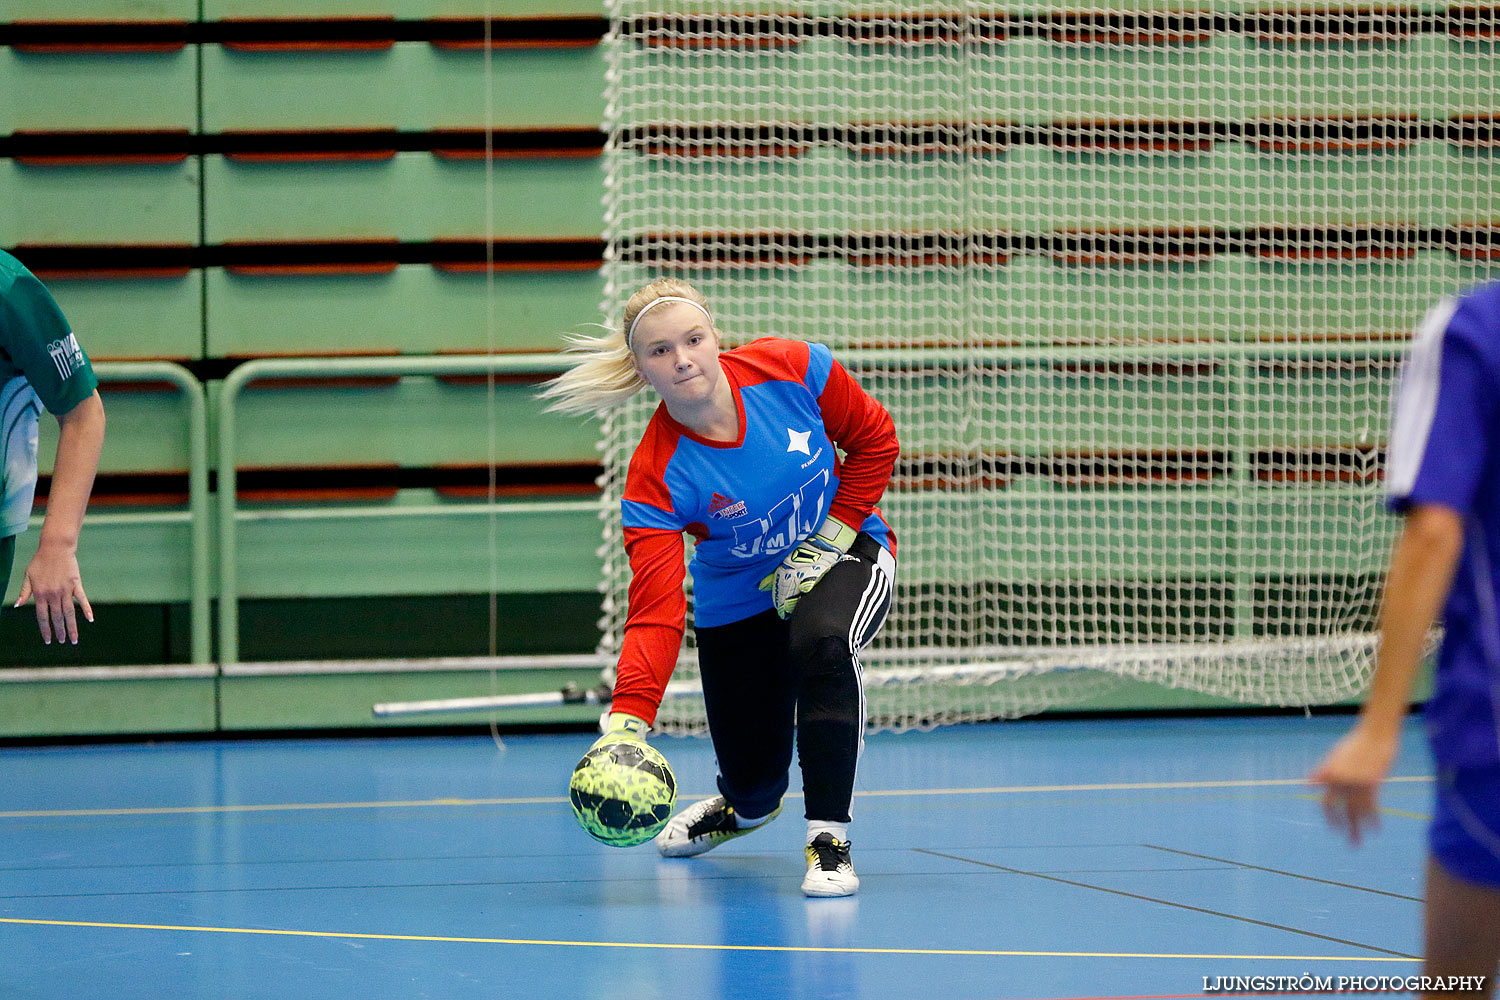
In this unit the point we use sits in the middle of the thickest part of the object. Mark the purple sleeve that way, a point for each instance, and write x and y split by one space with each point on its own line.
1444 414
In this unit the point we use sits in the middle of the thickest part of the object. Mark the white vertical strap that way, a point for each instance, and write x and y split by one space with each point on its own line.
1414 400
862 628
882 582
868 599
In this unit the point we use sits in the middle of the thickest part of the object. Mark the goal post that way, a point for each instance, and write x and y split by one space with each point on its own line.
1133 281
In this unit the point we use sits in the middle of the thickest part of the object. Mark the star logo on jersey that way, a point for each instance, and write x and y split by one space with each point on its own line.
798 441
725 509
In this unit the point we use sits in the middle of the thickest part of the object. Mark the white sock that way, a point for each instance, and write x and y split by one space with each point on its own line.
840 831
748 822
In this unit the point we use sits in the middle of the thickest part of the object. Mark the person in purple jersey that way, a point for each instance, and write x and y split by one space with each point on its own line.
1443 474
793 565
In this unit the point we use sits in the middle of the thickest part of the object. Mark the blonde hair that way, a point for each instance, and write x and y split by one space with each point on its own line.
606 374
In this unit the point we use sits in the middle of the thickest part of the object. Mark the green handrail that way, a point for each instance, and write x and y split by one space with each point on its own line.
455 364
543 364
1147 351
198 498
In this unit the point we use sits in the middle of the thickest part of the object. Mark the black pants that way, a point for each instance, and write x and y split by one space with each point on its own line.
764 678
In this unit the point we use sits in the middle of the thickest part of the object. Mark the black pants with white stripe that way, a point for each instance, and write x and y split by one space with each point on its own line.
765 679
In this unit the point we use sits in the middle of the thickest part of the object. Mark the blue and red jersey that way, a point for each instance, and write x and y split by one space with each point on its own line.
1445 449
747 503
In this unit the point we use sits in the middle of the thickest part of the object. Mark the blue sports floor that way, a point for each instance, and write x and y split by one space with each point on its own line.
1047 859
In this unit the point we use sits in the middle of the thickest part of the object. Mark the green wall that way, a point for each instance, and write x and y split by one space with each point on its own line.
228 248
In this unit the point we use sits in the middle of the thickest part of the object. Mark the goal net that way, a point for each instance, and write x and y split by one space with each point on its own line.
1133 281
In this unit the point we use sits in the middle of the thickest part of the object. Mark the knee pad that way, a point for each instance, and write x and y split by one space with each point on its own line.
820 655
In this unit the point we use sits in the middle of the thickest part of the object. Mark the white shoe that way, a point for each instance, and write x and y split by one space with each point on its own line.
702 827
829 870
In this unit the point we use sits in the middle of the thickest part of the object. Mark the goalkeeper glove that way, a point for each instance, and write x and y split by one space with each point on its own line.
800 571
622 728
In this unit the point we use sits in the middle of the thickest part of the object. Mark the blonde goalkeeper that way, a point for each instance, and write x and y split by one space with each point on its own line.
793 565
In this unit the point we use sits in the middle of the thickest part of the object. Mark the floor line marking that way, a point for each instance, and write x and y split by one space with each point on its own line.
1278 871
278 807
671 946
1166 902
558 799
1404 814
1383 810
1124 786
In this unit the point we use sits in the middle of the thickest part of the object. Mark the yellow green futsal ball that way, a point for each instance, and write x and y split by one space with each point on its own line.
622 793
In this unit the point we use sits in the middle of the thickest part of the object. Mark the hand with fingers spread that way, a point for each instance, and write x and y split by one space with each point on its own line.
1351 774
53 580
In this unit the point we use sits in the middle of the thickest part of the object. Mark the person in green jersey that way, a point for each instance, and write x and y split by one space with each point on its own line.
41 365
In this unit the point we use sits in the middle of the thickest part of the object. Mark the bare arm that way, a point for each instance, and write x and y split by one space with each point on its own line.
1421 572
52 576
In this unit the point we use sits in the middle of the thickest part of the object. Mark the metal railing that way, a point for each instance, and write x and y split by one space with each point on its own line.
199 588
229 513
229 516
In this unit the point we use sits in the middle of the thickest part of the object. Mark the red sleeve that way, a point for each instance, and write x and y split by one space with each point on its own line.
654 621
859 425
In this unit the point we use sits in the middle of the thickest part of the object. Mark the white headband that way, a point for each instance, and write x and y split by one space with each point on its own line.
630 333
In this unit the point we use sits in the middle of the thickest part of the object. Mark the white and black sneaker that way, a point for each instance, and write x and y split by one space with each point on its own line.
829 870
702 827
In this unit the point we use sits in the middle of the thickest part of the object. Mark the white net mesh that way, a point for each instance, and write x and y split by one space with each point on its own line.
1133 282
